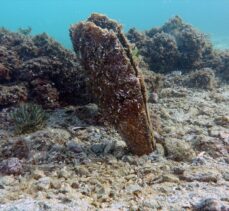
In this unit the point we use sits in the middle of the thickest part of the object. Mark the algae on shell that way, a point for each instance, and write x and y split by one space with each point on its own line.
115 81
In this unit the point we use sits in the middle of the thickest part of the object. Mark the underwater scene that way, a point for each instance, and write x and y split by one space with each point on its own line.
114 105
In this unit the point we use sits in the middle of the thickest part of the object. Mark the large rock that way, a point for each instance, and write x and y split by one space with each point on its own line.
175 45
209 204
201 79
40 58
115 81
10 95
44 93
4 73
11 166
201 174
179 150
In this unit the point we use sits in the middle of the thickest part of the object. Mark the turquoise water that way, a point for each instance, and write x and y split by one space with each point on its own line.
55 16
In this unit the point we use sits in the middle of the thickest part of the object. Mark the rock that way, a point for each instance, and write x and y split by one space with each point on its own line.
147 167
98 148
222 120
226 176
120 149
17 148
102 191
150 178
11 166
115 80
7 181
87 112
213 146
152 204
214 132
178 170
43 183
153 98
65 173
56 184
179 150
74 147
220 62
28 204
202 79
160 149
37 174
75 185
82 171
201 174
133 188
109 147
224 135
29 58
4 73
130 159
174 46
44 93
61 135
65 188
170 178
12 95
211 204
50 135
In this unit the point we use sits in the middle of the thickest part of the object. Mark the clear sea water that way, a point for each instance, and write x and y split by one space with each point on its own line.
55 16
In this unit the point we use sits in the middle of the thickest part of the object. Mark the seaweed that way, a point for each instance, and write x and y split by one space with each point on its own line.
28 118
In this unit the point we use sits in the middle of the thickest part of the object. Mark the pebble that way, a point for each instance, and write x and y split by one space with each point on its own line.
82 171
170 178
65 173
43 183
179 150
110 146
201 174
211 204
134 188
55 184
98 148
37 174
7 181
152 204
74 147
11 166
226 176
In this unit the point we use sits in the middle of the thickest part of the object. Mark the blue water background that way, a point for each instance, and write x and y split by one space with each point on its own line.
55 16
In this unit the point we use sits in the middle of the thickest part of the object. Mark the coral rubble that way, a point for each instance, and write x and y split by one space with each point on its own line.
203 78
114 79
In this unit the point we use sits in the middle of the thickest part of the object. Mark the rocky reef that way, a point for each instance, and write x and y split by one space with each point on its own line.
49 74
115 81
75 161
179 46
